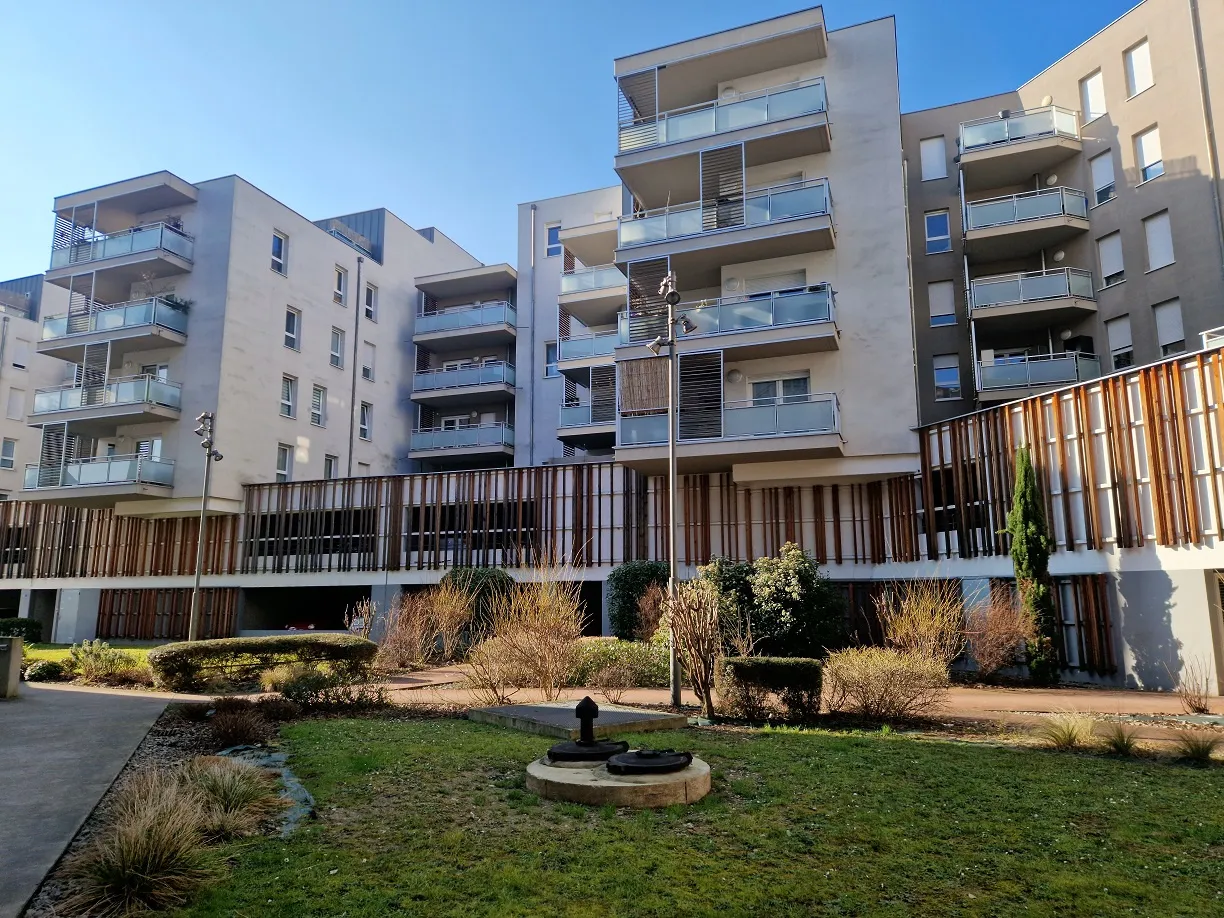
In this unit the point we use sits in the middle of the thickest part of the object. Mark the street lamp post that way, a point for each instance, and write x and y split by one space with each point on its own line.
205 431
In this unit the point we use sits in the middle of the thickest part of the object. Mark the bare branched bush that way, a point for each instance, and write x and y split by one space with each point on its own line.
998 630
359 618
650 612
1194 686
1065 731
452 608
492 679
693 613
884 682
425 628
613 680
923 617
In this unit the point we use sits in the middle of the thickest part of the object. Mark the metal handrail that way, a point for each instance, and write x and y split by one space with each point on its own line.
160 314
778 427
1090 362
1213 336
1030 286
111 389
729 100
475 315
505 436
1071 202
1017 126
470 366
466 307
471 375
100 239
138 474
601 277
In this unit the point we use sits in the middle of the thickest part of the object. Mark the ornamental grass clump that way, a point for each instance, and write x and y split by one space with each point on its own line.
239 728
1065 731
1119 739
236 797
924 617
1195 746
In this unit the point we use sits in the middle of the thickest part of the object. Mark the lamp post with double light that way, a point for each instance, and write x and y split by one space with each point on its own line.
205 432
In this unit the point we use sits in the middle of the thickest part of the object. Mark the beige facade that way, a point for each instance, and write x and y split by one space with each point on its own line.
1117 137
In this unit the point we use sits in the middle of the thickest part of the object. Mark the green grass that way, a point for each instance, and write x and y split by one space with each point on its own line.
61 651
431 818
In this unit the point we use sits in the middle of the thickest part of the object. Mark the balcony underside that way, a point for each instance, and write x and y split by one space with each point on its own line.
1014 163
721 455
468 281
1016 240
758 343
465 396
593 243
122 340
463 454
1063 310
589 436
101 420
579 368
141 195
115 276
595 307
698 260
458 339
101 495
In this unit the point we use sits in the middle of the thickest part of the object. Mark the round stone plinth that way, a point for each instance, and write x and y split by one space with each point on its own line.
596 787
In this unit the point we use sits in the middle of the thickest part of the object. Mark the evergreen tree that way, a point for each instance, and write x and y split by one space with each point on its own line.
1030 552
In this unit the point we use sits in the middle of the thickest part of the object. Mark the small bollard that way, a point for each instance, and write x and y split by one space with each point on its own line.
10 666
586 711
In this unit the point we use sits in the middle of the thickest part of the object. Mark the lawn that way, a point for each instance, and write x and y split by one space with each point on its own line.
429 817
61 651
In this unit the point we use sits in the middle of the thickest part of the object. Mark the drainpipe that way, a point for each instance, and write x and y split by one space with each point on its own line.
353 407
1213 154
532 343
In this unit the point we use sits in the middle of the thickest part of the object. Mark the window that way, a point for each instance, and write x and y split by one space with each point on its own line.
1092 96
149 449
21 353
1118 332
16 405
341 285
1138 61
934 158
780 391
550 360
947 377
318 407
8 454
288 397
293 329
371 302
938 232
1102 177
1159 240
284 463
1169 327
1109 250
367 360
365 423
942 297
337 348
1148 156
280 253
363 469
331 466
554 241
159 371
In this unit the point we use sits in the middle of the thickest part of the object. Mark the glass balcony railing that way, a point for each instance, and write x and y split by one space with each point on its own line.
474 316
1016 127
101 470
152 311
1037 370
600 277
748 313
482 375
129 390
586 415
490 435
765 205
1031 205
799 415
1030 287
148 238
789 100
582 347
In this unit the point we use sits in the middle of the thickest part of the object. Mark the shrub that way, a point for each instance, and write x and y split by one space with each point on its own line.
693 614
47 671
645 662
482 585
278 709
650 612
277 677
1195 746
493 677
732 580
232 704
797 611
1064 731
924 617
188 665
883 682
538 625
1030 552
745 684
239 728
1194 686
1119 739
627 584
425 627
998 630
613 680
237 796
98 663
194 711
319 691
28 629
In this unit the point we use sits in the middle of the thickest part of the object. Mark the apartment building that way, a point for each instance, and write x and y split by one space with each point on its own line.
183 298
1072 227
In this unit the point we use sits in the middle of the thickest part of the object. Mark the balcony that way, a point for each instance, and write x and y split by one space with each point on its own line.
576 354
465 385
139 325
467 326
750 327
97 410
1034 299
1016 225
100 481
143 252
588 425
1007 378
1014 146
593 295
458 442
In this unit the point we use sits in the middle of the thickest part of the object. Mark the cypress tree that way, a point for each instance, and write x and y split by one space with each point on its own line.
1030 552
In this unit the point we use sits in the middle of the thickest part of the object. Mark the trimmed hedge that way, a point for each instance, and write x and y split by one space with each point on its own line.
646 661
185 666
744 684
626 586
28 629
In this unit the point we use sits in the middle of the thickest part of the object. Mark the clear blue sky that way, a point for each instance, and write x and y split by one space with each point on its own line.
447 112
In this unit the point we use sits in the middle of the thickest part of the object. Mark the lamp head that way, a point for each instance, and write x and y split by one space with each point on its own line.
687 326
656 345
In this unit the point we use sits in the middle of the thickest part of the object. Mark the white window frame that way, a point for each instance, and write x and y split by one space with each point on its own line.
1117 350
280 265
1128 67
1086 97
1170 345
284 463
367 369
318 406
336 357
960 386
21 353
340 290
288 404
1150 224
8 453
1144 177
1120 274
552 249
365 421
927 144
1110 187
370 302
779 397
949 316
331 466
16 400
926 228
550 366
293 341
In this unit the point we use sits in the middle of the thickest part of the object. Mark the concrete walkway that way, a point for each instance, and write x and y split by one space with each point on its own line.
61 747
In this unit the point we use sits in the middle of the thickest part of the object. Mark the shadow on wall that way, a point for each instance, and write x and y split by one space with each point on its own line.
1145 607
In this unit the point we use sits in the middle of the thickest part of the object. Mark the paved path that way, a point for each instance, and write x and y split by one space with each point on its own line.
61 747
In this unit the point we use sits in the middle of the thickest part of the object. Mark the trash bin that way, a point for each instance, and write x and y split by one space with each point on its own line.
10 666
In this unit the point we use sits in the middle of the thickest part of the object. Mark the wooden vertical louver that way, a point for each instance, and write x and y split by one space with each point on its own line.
722 187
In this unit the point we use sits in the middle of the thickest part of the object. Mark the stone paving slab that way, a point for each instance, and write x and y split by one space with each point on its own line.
557 719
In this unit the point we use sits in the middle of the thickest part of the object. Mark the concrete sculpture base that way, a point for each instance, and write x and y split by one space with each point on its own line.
595 786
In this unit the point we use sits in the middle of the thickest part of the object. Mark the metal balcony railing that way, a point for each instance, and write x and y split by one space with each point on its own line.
582 347
793 415
478 435
477 375
101 470
126 390
1031 205
1030 287
133 314
477 315
776 103
765 205
1037 370
1016 127
599 277
150 237
748 313
586 415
